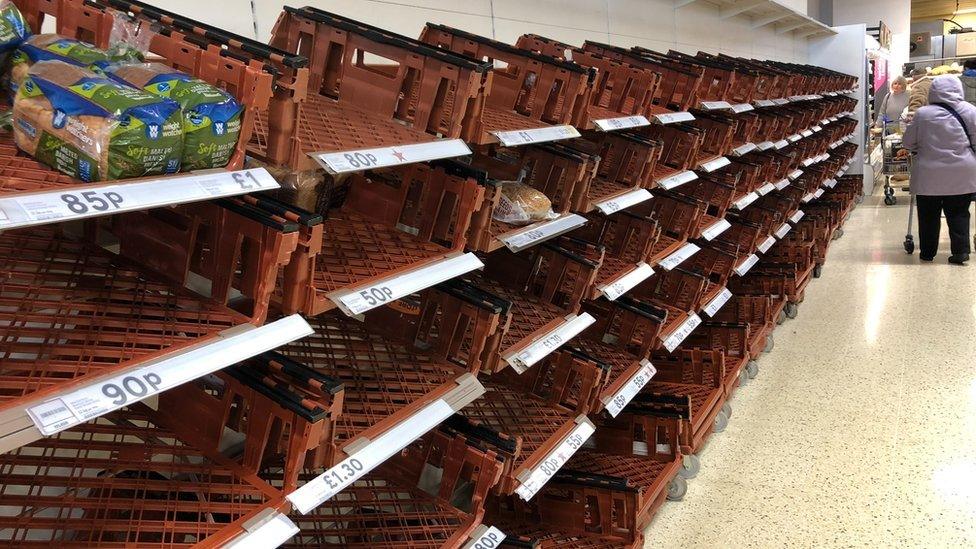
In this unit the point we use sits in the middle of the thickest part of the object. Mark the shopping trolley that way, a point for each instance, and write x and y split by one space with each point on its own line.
892 164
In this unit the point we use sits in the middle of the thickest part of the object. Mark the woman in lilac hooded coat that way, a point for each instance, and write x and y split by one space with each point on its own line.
942 137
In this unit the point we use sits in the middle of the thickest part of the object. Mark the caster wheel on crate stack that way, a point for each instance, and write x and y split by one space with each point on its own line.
690 465
817 270
743 378
677 489
791 310
770 343
721 422
858 199
727 409
781 318
752 369
837 234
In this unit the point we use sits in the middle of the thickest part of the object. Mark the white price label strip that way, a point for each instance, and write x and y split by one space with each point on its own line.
624 284
807 198
716 229
485 538
783 230
742 107
83 202
682 333
830 183
743 202
764 102
363 298
782 184
678 257
743 268
616 404
794 138
766 189
524 359
716 304
780 101
715 164
381 157
795 174
715 105
535 135
676 180
620 202
808 162
673 117
765 145
542 231
817 128
781 144
795 98
554 461
621 123
795 218
110 392
819 193
271 531
806 133
321 488
744 149
765 245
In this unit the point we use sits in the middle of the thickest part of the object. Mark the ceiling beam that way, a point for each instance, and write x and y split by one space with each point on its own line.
791 27
767 19
741 7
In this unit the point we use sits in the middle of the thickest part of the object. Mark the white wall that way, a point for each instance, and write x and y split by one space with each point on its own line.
653 24
897 14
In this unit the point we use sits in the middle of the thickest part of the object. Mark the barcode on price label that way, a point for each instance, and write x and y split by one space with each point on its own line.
765 245
716 304
716 229
676 180
482 538
744 149
743 202
620 202
546 344
535 135
766 189
765 145
321 488
616 404
37 208
624 122
381 157
542 231
678 257
673 117
682 333
795 218
782 184
715 105
744 267
781 144
361 299
783 230
554 461
624 284
111 392
715 164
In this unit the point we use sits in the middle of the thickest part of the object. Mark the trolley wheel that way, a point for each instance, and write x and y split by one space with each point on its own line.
890 200
690 466
909 245
858 199
781 318
752 368
791 309
837 234
721 422
743 378
817 270
677 488
727 409
770 343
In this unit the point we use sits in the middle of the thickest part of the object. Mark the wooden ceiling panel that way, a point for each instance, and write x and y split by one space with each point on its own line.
939 9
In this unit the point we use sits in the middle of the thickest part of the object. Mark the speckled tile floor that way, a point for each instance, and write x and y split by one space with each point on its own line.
860 430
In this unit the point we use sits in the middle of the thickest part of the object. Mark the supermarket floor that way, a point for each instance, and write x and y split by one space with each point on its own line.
860 430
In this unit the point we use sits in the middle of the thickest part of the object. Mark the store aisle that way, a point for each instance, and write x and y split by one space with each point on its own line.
860 430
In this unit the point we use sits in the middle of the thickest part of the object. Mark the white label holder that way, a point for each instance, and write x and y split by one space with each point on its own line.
625 283
742 107
782 184
271 529
744 149
715 229
781 144
621 123
529 136
677 179
766 189
532 481
616 403
715 164
682 332
382 157
109 392
765 145
673 117
715 305
765 245
678 257
84 201
358 300
485 537
620 202
795 218
528 356
795 174
744 202
715 105
783 230
536 233
742 268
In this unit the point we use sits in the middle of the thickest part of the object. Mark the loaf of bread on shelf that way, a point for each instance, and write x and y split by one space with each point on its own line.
521 204
54 47
94 128
211 116
13 28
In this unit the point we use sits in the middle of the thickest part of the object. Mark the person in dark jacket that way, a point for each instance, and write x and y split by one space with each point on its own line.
944 167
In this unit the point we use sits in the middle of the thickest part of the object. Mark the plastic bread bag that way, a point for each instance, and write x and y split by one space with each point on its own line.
54 47
521 204
94 128
13 27
211 116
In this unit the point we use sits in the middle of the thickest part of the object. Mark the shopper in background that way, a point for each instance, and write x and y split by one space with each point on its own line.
918 94
944 168
893 104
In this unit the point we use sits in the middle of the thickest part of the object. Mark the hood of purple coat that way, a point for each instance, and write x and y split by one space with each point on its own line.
946 89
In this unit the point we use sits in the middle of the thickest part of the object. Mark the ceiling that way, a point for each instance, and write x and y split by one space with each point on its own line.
939 9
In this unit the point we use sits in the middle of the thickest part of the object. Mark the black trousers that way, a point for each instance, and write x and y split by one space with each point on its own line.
930 209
